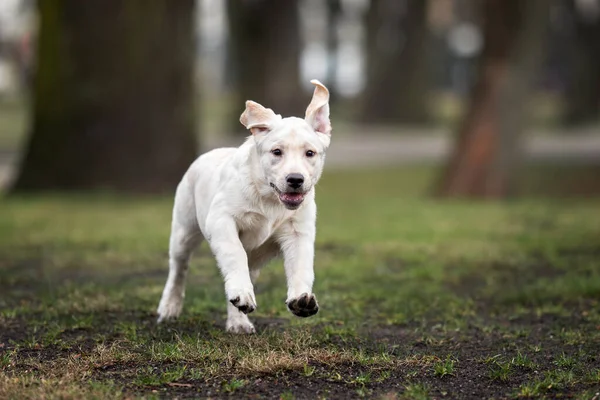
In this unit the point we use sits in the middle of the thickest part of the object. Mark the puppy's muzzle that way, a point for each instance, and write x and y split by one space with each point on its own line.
293 197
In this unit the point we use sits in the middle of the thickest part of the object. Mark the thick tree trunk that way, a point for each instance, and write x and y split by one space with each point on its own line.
265 50
113 96
398 73
582 99
486 157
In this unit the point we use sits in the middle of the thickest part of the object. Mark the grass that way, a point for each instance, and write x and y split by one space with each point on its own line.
416 391
503 371
419 299
233 385
444 367
565 361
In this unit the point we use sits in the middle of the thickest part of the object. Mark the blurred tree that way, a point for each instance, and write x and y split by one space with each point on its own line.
334 11
113 96
486 156
582 100
264 46
397 69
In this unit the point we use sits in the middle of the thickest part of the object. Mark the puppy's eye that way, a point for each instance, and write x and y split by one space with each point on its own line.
310 153
277 152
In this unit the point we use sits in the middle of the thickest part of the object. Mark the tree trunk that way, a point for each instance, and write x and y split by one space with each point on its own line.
486 157
334 10
113 96
582 100
398 73
264 45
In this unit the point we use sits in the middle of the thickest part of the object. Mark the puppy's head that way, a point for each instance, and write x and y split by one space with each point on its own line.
291 150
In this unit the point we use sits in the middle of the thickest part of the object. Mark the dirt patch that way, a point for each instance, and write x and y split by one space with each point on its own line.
413 353
412 363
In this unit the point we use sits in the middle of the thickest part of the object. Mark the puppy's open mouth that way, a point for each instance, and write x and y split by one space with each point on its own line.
291 200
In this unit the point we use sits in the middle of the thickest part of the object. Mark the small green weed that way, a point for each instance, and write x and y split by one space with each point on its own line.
166 351
500 371
445 368
307 370
6 359
147 377
491 359
571 337
233 385
552 380
593 376
287 395
565 361
362 379
383 376
151 376
416 391
530 389
196 374
174 374
31 342
522 361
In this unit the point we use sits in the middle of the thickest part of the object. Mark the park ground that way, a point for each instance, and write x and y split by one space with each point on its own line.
420 298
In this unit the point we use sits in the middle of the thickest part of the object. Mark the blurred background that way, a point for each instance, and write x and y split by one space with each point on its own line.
495 97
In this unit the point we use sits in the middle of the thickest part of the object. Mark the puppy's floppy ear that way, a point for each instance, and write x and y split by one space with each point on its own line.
258 118
317 113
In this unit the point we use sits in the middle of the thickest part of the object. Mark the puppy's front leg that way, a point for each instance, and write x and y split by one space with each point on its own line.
222 235
298 247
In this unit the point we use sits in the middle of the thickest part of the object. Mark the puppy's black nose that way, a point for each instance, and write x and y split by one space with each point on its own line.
294 180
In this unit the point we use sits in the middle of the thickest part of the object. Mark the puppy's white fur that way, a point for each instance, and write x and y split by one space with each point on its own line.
241 201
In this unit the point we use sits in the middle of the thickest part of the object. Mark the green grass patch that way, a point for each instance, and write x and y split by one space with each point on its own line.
407 285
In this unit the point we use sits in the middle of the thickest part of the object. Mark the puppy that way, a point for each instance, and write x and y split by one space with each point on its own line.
251 204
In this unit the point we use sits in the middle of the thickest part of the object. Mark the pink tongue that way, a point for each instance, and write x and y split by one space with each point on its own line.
292 196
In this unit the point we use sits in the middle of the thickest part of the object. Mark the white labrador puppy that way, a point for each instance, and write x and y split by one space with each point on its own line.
252 204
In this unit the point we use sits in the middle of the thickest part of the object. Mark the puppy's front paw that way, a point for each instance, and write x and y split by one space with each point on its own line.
304 305
244 303
242 298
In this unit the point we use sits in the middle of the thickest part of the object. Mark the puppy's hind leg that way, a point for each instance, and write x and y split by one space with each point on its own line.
184 239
